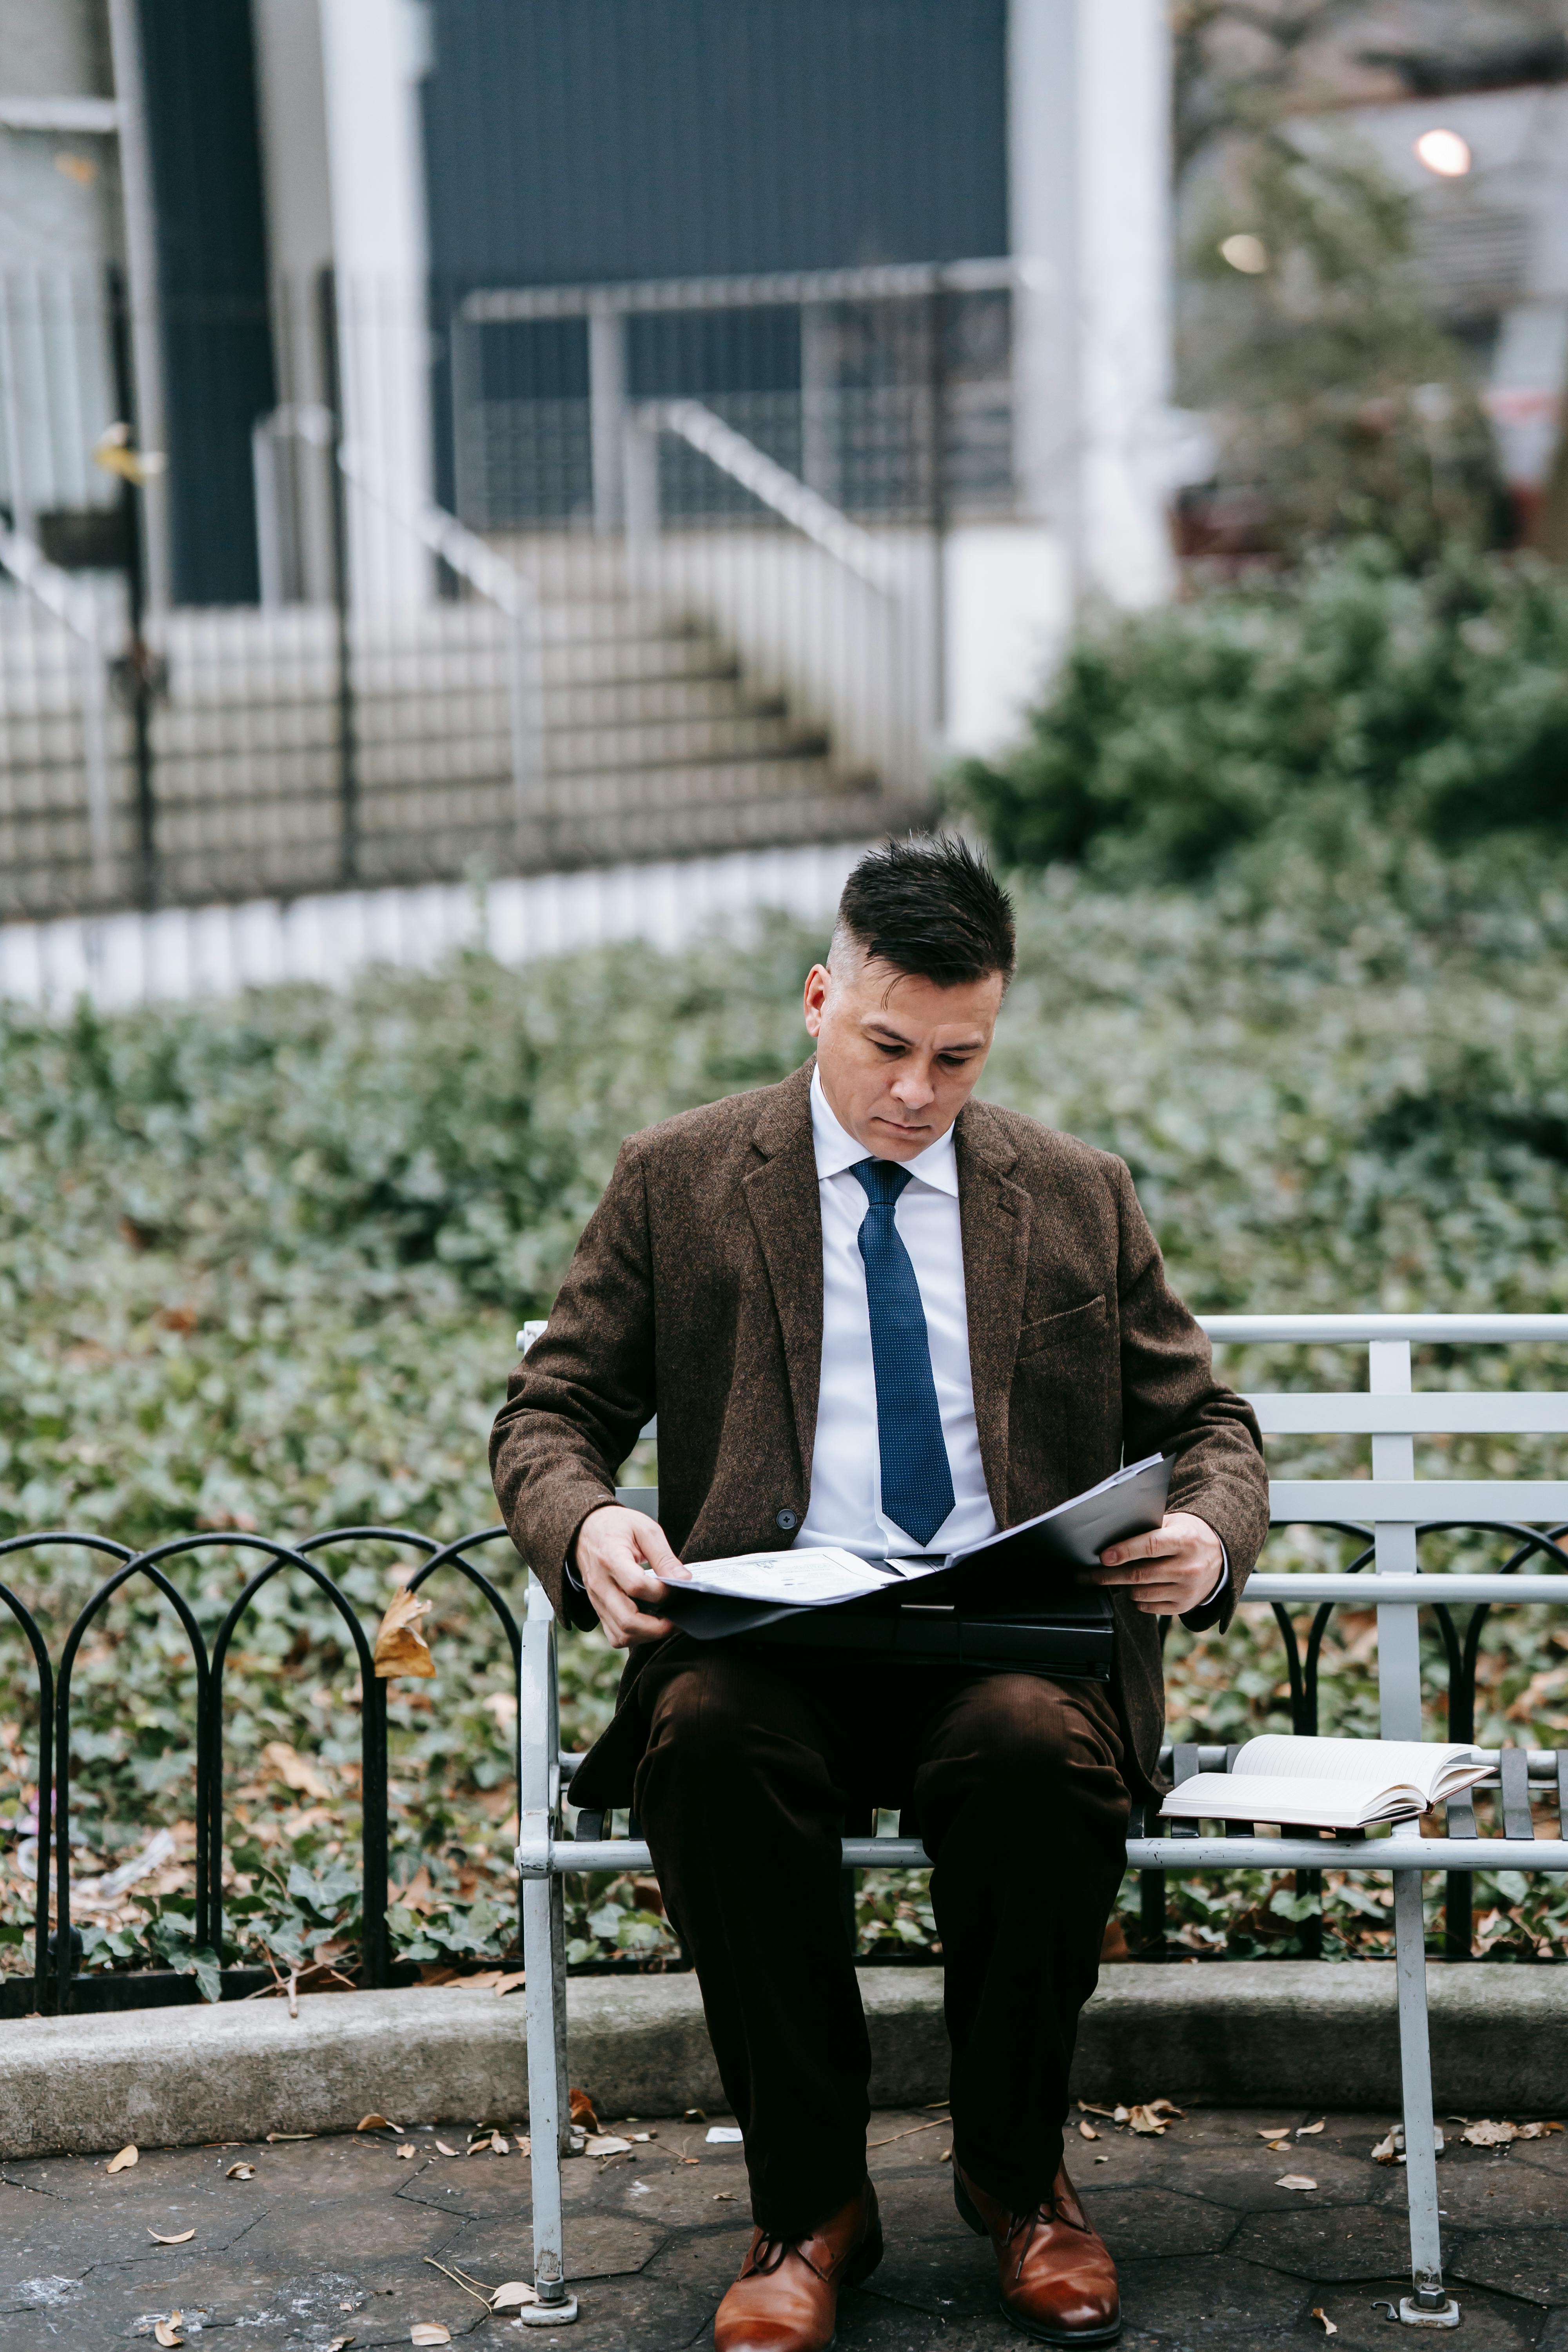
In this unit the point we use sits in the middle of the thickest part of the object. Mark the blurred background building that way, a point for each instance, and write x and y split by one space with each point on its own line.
457 438
734 399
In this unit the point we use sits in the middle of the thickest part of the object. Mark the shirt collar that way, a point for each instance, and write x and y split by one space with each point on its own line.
836 1149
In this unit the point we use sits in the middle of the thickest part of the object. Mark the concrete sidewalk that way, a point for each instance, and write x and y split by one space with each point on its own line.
329 2240
1236 2032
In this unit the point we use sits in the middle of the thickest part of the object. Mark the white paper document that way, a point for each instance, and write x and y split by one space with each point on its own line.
1332 1784
808 1579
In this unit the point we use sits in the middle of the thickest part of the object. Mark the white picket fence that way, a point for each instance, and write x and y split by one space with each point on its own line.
216 950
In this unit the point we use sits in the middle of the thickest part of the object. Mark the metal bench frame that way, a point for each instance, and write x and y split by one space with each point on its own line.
1398 1504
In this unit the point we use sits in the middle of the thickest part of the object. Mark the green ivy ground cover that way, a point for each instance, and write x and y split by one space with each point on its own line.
261 1263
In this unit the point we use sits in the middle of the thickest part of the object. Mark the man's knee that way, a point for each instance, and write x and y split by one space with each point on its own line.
720 1715
1024 1732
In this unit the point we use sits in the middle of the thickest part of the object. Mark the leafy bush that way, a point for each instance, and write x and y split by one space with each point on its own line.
261 1263
1338 402
1354 693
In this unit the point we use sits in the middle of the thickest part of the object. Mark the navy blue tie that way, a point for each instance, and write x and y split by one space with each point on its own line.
917 1479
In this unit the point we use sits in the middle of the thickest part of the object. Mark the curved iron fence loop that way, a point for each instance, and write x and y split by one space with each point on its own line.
139 1564
372 1745
444 1556
28 1623
1308 1722
1282 1618
1445 1616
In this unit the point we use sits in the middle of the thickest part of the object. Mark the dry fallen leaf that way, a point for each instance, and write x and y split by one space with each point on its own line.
408 2148
1144 2119
525 2146
582 2110
605 2143
340 2344
181 2237
1273 2131
1085 2131
1084 2108
1331 2327
297 1771
1294 2180
1306 2131
272 2140
167 2331
724 2197
429 2331
376 2123
498 2142
1386 2149
689 2159
1164 2107
124 2160
240 2173
1119 2115
401 1649
515 2291
1488 2135
1537 2131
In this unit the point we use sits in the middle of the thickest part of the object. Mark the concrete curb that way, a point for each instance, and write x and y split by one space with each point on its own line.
1233 2034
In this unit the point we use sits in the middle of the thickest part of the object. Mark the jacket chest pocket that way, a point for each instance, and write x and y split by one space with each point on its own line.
1075 1330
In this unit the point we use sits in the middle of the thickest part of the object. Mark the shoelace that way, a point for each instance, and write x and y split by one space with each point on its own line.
1047 2210
768 2253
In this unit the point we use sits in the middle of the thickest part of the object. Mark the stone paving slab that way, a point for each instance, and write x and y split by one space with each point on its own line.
331 2236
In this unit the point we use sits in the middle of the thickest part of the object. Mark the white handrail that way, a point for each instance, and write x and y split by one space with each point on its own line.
511 592
788 497
74 605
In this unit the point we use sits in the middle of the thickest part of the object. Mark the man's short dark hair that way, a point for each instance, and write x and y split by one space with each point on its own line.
932 907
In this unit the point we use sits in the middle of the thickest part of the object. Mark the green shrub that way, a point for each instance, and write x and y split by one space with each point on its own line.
1352 692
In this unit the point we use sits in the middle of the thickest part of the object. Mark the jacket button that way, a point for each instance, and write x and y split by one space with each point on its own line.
787 1520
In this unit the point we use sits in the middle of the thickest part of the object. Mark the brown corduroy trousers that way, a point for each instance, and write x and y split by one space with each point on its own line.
753 1758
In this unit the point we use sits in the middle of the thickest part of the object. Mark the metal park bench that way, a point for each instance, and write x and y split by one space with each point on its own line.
1388 1515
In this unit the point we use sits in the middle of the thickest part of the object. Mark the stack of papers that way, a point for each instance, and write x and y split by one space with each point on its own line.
1034 1562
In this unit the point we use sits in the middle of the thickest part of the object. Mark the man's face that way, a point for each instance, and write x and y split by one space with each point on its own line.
898 1056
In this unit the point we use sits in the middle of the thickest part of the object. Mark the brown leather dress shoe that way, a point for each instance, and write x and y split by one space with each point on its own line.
786 2298
1059 2282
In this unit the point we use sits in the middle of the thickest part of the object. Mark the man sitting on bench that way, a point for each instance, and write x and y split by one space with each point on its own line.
871 1312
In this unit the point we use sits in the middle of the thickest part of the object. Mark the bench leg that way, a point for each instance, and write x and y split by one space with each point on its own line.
549 2116
1427 2304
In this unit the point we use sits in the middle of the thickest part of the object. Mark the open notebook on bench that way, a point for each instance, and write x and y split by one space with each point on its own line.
1012 1600
1329 1784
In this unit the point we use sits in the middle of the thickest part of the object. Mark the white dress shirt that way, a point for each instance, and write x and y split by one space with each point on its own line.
846 1506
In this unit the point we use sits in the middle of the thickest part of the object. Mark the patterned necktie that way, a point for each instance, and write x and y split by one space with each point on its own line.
917 1478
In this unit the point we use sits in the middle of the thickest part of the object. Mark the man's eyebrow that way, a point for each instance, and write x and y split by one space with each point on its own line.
886 1029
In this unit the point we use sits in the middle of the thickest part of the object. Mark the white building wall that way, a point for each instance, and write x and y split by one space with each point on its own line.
374 55
1089 191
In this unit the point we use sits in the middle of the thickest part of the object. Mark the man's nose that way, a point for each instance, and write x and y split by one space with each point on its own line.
914 1090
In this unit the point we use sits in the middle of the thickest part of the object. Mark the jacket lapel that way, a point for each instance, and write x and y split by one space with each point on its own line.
994 1216
786 1212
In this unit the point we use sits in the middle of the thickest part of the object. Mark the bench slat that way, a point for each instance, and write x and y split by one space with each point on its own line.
1540 1501
1504 1413
1513 1771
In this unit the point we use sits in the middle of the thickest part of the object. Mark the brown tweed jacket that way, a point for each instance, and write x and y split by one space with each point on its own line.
697 1290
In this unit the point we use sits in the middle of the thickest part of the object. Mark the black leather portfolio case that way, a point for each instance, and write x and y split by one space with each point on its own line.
1071 1641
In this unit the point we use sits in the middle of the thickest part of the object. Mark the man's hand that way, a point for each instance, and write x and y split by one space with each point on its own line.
622 1558
1169 1572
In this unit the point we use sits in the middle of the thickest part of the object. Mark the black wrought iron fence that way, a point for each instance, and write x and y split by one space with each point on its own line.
55 1953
